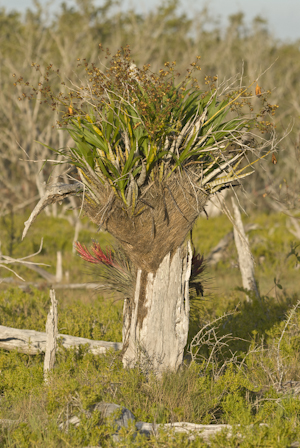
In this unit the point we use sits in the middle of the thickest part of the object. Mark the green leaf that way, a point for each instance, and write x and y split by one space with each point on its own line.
185 153
95 140
129 162
104 171
57 151
87 152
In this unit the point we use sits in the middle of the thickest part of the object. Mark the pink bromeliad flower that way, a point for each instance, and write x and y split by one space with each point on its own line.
99 256
113 271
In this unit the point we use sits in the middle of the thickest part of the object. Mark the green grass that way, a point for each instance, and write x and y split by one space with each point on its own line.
57 234
238 384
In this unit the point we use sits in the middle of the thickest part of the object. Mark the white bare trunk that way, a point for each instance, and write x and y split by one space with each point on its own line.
51 335
245 257
213 207
78 226
59 269
156 322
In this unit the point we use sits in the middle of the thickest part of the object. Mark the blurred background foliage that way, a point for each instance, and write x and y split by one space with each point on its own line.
163 34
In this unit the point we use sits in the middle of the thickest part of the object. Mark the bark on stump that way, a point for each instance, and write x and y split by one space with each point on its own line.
156 322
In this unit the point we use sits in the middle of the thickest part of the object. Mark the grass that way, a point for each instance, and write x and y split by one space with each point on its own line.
246 382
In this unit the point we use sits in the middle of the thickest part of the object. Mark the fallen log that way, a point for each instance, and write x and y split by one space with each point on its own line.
33 342
25 285
191 429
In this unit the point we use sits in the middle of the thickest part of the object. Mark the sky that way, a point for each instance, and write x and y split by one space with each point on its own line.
283 16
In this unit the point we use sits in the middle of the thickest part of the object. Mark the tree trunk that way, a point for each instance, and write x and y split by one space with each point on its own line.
244 253
156 321
153 236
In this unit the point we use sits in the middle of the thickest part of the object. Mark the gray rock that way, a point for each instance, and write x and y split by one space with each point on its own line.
124 416
120 416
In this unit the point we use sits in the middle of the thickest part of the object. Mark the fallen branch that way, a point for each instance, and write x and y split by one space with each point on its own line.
25 285
191 429
33 342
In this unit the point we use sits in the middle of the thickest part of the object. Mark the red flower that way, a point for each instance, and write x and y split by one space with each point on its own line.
99 256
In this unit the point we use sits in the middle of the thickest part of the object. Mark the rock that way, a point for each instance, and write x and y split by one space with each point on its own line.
122 417
107 409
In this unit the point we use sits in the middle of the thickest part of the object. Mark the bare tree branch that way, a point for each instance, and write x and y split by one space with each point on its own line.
54 193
